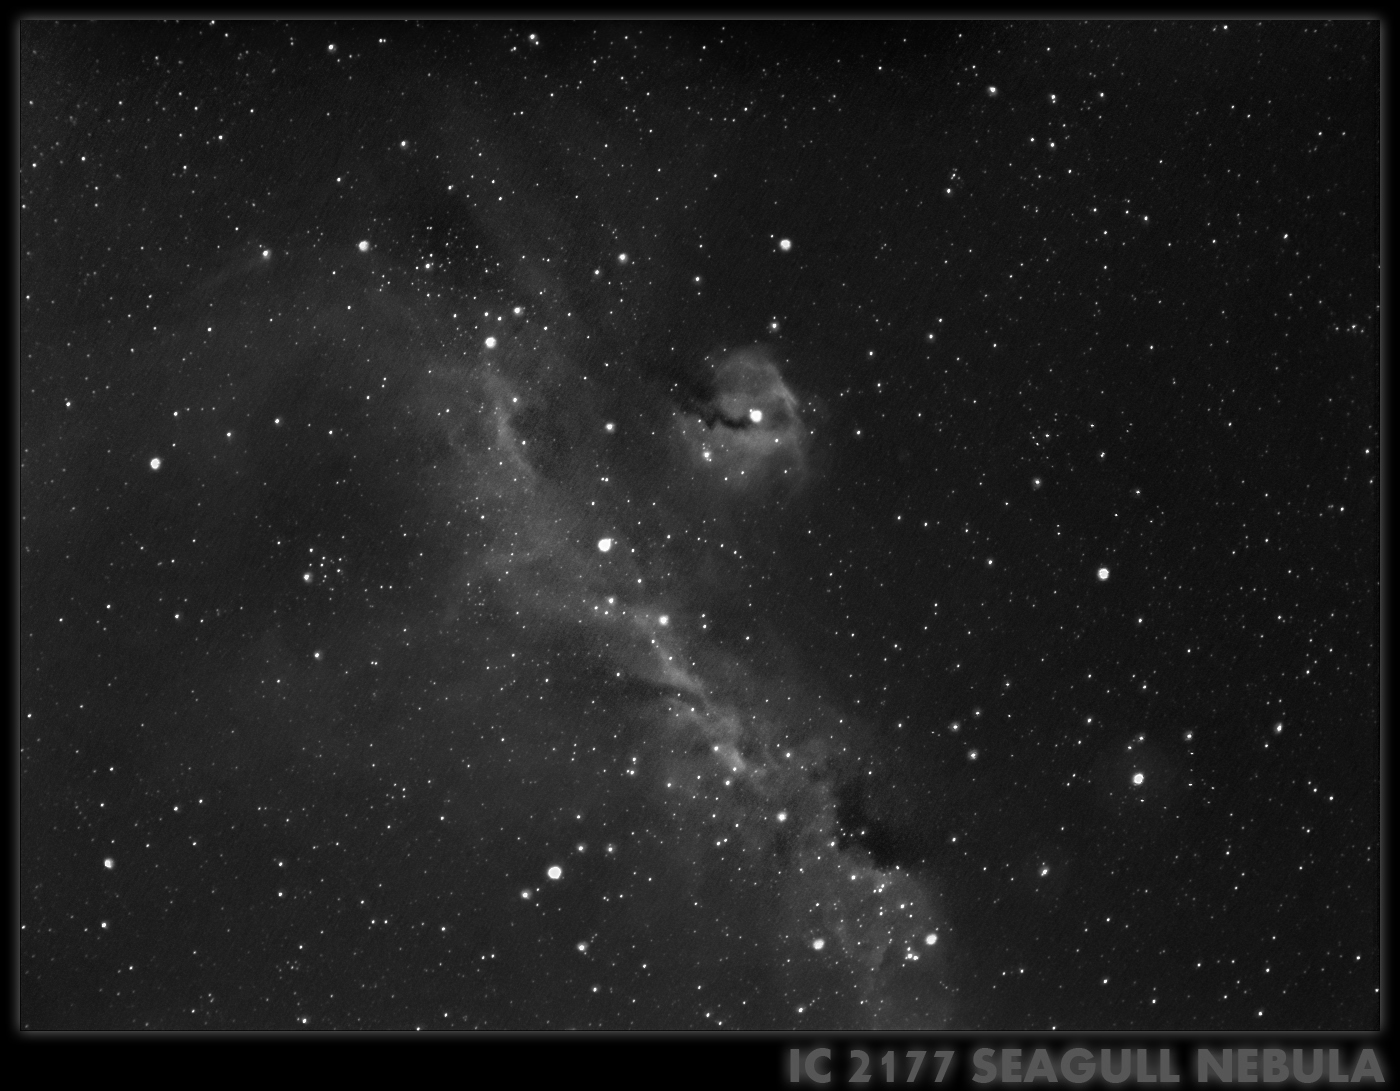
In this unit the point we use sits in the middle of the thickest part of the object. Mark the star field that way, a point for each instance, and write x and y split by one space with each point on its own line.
699 526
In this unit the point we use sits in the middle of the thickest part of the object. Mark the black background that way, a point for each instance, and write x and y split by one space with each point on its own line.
1119 312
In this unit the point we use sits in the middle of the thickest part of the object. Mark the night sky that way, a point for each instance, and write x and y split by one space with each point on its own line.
697 525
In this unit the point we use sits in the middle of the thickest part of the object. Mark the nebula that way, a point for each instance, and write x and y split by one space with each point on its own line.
745 763
745 430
